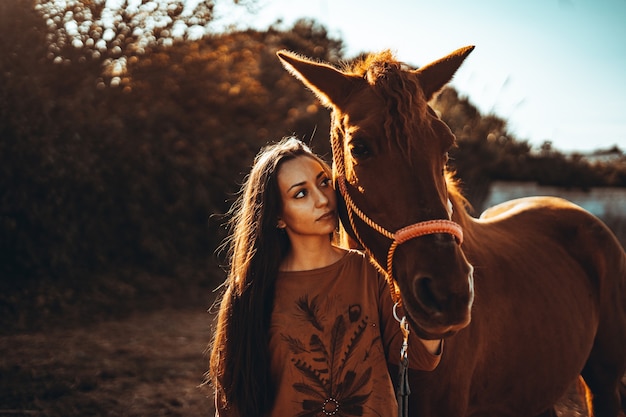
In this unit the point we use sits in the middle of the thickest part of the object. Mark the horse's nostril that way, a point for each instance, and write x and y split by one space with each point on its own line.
426 296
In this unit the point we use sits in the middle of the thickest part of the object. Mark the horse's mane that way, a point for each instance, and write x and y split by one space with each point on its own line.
394 83
459 201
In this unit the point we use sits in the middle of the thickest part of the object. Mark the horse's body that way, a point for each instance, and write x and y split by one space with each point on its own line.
543 281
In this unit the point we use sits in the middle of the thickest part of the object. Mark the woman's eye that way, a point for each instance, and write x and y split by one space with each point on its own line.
326 182
300 194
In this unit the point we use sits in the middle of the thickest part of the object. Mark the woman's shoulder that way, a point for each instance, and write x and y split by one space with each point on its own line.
353 253
358 258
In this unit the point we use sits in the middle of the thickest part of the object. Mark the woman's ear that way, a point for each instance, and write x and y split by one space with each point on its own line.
281 224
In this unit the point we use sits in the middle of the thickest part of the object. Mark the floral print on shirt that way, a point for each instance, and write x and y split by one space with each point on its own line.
334 383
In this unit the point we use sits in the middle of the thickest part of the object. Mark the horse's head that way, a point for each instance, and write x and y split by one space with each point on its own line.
389 158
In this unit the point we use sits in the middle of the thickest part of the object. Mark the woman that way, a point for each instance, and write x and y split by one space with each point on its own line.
304 327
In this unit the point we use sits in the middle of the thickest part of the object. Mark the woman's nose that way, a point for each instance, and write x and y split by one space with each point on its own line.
321 199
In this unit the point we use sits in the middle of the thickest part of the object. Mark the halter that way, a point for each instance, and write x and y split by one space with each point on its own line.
402 235
428 227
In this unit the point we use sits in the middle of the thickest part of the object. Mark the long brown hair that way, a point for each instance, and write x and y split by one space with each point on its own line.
240 361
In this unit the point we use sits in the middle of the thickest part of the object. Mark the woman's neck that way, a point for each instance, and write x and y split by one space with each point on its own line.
308 255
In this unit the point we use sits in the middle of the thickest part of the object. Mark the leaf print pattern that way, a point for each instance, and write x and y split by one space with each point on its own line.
337 335
328 386
295 345
310 311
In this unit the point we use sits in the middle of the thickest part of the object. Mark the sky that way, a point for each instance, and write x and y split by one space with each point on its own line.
554 69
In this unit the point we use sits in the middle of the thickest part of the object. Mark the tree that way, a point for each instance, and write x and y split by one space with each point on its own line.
115 33
107 192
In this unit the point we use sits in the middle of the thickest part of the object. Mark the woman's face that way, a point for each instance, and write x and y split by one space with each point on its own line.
309 204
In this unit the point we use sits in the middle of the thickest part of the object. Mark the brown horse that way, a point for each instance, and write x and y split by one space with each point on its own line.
528 297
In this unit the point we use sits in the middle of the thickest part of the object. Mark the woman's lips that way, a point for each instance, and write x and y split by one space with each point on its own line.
327 216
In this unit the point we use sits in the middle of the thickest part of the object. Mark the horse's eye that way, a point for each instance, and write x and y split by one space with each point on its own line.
359 149
445 163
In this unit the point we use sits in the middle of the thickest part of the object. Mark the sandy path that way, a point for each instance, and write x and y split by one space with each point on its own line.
147 365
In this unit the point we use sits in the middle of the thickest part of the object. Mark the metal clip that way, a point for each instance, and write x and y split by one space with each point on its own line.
404 327
395 312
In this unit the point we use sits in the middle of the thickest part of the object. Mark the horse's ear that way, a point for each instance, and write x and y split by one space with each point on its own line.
330 85
434 76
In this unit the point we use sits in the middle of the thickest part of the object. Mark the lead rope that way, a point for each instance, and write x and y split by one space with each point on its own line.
403 390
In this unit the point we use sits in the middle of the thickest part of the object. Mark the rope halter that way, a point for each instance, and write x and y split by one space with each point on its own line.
412 231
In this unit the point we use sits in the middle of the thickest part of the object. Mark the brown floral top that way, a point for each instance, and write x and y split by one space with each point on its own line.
331 333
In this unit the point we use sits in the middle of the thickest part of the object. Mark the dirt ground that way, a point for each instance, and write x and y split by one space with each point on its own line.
150 364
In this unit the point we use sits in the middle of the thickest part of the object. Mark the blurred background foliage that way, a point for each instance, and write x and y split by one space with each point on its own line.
125 135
